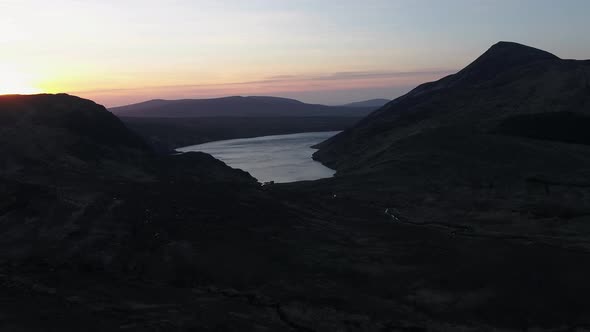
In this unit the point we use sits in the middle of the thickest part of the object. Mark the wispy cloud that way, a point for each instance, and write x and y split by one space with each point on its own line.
381 74
297 86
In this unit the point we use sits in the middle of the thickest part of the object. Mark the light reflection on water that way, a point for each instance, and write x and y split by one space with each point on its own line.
280 158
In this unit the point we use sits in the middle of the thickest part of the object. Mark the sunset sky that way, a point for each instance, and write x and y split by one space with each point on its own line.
323 51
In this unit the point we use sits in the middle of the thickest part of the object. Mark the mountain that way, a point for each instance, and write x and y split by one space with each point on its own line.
376 103
68 165
74 184
45 133
87 208
508 132
254 106
510 86
57 137
498 152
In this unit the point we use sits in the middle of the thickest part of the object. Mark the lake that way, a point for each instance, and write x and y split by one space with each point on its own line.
279 158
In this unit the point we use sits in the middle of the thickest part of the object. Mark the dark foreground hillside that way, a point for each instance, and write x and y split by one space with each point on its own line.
98 233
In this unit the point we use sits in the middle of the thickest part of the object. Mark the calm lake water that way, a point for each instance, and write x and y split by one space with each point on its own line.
280 158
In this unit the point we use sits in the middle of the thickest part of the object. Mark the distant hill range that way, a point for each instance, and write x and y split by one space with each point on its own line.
254 106
169 124
374 103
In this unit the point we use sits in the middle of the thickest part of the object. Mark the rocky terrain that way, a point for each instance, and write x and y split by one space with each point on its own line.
450 211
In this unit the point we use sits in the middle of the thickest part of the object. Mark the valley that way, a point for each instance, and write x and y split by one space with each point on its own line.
448 211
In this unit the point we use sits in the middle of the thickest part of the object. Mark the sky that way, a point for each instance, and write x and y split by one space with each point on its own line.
320 51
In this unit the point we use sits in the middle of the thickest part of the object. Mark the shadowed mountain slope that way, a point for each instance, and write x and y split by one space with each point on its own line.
501 146
76 174
57 132
508 80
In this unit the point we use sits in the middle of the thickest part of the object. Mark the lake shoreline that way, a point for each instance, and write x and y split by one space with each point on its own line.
167 134
277 158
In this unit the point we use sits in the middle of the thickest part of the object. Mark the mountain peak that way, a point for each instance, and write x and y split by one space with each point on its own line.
500 57
516 50
510 54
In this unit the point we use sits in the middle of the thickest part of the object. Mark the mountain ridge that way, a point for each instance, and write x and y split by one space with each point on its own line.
235 106
377 102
